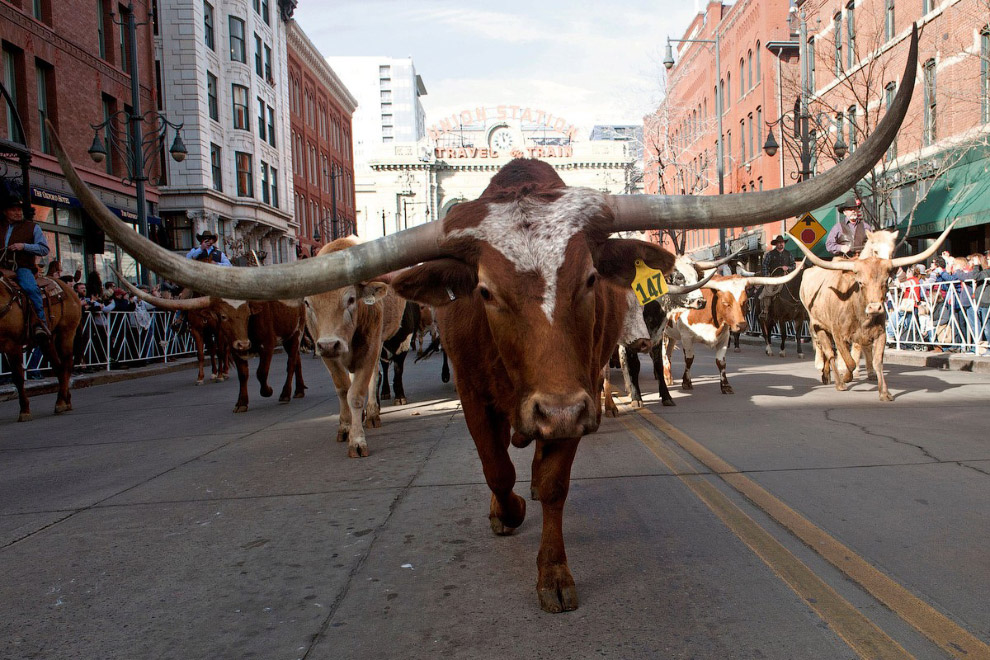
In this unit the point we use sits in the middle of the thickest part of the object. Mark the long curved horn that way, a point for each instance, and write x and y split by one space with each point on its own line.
284 281
172 304
782 279
706 265
900 262
677 290
638 212
822 263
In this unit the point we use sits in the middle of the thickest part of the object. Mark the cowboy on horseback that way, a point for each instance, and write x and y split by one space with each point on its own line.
777 261
22 243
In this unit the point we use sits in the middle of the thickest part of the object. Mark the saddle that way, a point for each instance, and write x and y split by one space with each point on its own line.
51 292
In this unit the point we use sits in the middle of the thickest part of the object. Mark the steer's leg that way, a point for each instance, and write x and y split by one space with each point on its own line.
342 383
386 392
243 374
265 352
60 356
15 359
373 415
490 431
291 346
554 584
841 378
200 356
611 410
688 347
362 388
400 366
879 344
720 350
632 368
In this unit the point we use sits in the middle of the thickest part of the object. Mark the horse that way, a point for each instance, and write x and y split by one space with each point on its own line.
63 312
780 306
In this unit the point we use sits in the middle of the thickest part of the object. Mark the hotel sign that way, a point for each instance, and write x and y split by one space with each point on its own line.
525 152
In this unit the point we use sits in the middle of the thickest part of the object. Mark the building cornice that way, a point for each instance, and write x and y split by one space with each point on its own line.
317 63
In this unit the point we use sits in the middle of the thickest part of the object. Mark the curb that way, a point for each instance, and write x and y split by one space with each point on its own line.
49 385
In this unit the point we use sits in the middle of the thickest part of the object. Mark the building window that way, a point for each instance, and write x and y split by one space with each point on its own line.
811 65
840 127
742 78
727 95
386 96
384 71
212 96
930 132
759 123
926 6
240 98
266 15
850 34
10 60
985 73
265 196
216 166
101 28
837 26
208 25
758 78
888 26
742 140
261 119
889 92
749 136
271 126
245 176
257 56
43 74
109 109
274 187
238 53
124 42
268 64
851 114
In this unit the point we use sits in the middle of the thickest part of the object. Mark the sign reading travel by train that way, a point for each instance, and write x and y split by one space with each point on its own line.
807 230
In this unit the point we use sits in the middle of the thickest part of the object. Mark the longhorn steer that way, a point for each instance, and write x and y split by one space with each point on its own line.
348 325
531 291
395 349
845 303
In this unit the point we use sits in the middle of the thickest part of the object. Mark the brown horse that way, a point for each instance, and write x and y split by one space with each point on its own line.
63 311
781 307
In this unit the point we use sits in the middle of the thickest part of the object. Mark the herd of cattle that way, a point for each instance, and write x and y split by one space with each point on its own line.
532 296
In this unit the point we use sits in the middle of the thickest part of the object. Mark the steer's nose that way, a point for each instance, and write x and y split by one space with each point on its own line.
241 345
740 327
550 416
874 308
331 347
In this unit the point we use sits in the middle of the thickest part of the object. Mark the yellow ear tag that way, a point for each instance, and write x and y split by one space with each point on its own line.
649 284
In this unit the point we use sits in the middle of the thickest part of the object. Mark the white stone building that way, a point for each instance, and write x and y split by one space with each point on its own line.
222 65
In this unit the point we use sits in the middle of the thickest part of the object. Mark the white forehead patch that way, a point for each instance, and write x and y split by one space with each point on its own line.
532 235
234 303
734 285
880 244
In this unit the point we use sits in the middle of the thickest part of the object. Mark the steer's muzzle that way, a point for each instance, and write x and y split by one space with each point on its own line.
740 327
331 347
641 345
241 345
695 303
551 416
874 308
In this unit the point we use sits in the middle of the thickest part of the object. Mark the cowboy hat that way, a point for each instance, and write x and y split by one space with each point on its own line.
849 202
779 238
207 235
10 194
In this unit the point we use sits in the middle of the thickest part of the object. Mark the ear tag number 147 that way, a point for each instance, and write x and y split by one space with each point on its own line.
649 284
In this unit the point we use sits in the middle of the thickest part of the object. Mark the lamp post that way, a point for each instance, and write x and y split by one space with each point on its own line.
139 150
668 63
802 118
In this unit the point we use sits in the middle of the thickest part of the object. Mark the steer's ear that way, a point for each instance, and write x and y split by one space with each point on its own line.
616 260
372 291
437 282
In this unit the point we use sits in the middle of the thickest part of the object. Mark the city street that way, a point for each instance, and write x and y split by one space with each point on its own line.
788 520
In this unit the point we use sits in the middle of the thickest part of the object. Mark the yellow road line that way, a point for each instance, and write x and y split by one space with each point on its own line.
940 629
861 634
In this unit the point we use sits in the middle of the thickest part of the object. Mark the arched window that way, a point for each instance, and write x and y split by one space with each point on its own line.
749 69
758 51
742 77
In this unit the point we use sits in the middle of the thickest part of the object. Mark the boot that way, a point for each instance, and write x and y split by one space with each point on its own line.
40 331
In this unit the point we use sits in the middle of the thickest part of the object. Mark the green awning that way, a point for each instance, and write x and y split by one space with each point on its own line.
962 192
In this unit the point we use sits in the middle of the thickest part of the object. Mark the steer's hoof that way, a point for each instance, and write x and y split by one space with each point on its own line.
267 391
357 450
783 354
636 403
669 403
505 520
727 389
342 434
534 493
299 394
284 398
886 396
24 417
611 410
687 385
386 396
400 401
768 351
373 422
62 407
240 409
800 355
556 590
737 350
200 381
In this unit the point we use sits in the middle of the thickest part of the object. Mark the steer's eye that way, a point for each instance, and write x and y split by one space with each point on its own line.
592 279
350 301
485 294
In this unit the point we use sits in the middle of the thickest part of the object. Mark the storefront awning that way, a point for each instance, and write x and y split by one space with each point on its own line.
962 192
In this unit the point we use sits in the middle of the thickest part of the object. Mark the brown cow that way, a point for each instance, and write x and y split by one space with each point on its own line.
530 295
348 325
245 326
845 303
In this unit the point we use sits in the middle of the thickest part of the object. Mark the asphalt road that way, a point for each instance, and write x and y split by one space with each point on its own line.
785 521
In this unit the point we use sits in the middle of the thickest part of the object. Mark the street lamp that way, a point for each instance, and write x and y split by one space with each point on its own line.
139 150
668 63
801 117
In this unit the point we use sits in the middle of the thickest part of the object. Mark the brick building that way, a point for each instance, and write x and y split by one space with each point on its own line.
932 174
321 111
68 62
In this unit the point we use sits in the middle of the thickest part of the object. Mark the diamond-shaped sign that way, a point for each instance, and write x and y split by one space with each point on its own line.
807 230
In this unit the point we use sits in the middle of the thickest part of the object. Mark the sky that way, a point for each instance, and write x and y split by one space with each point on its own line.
588 62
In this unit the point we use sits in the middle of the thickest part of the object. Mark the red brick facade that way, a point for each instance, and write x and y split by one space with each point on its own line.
322 148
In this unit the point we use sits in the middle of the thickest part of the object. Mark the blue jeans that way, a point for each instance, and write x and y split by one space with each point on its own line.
984 320
25 277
